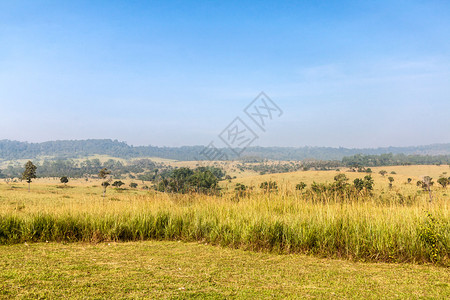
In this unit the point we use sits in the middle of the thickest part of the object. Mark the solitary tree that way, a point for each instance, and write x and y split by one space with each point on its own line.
64 180
383 172
29 173
133 185
391 180
117 184
105 184
427 183
103 174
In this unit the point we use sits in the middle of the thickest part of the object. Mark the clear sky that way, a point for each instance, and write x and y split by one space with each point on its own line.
171 73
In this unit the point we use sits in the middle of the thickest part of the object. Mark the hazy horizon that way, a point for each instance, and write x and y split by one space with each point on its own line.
345 74
200 145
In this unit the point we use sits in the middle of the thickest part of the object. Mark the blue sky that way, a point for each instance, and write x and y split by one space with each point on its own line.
345 73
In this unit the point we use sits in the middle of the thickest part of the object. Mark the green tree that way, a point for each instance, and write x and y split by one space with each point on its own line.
105 184
103 174
133 185
184 180
29 173
368 182
203 181
340 182
180 178
64 180
383 172
340 178
391 180
359 184
118 184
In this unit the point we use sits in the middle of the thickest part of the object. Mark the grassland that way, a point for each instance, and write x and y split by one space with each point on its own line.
58 241
393 225
402 173
191 270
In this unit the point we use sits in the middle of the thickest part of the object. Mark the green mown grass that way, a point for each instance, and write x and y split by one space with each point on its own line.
191 270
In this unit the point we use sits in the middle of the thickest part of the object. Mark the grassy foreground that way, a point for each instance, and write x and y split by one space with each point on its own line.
190 270
393 225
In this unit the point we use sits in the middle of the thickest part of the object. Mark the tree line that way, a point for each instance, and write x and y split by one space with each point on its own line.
13 150
394 160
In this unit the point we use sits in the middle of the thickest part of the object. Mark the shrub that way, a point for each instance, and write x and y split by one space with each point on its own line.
300 186
269 186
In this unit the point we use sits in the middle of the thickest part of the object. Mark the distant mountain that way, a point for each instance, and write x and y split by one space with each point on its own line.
12 150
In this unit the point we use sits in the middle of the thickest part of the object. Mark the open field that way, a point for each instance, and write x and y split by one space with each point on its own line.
191 270
392 225
225 150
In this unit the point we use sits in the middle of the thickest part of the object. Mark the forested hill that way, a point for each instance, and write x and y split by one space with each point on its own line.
12 150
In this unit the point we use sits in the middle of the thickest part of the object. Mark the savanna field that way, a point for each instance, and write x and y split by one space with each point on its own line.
267 243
